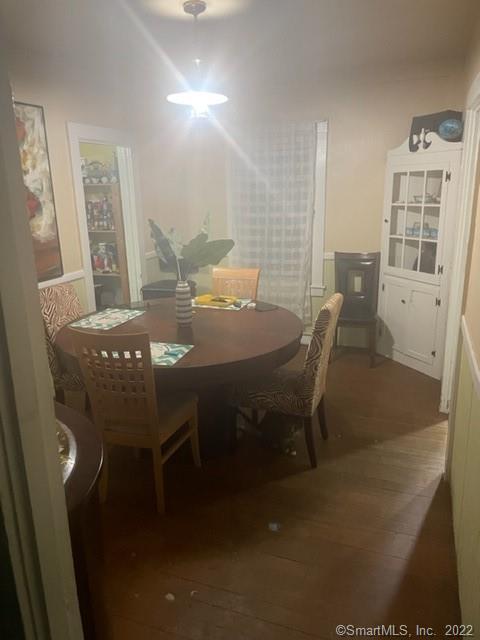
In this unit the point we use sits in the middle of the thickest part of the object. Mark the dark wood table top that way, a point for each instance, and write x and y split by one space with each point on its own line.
228 345
88 456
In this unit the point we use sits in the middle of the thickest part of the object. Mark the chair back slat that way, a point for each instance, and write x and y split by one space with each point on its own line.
118 375
241 283
318 353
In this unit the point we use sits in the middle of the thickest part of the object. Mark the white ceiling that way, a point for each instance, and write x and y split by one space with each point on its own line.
247 43
288 38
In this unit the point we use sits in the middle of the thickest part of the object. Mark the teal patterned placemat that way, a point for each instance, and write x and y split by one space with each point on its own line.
107 319
166 354
243 303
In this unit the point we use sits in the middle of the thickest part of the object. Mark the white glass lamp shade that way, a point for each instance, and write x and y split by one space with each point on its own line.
199 101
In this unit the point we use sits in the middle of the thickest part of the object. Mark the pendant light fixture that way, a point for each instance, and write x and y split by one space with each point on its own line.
197 97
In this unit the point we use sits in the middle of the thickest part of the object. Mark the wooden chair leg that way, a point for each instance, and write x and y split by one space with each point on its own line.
194 443
103 482
158 475
322 419
309 439
372 341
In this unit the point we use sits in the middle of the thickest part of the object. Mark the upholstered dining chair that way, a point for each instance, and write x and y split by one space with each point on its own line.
298 393
118 374
242 283
60 305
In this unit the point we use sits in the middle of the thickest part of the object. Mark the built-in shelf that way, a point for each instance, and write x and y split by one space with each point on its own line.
100 184
107 243
106 275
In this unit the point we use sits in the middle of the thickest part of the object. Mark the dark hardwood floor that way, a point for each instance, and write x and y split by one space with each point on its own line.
258 546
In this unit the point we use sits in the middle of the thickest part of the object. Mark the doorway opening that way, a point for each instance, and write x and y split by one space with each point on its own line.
106 234
106 201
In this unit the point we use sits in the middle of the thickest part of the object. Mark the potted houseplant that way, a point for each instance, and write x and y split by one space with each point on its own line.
183 260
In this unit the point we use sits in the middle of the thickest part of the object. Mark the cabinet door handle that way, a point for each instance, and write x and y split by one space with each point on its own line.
403 301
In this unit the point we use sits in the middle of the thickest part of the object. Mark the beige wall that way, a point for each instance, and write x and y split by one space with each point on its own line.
368 117
473 60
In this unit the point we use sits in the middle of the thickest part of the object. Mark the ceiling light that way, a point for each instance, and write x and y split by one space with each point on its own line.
198 99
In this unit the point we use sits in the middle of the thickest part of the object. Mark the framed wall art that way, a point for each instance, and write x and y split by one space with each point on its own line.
40 203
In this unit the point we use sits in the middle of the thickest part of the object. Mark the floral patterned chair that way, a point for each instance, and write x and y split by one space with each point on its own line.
298 393
60 305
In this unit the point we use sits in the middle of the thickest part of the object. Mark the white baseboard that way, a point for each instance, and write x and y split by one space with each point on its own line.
67 277
471 355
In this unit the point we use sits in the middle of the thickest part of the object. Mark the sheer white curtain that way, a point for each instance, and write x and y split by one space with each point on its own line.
271 201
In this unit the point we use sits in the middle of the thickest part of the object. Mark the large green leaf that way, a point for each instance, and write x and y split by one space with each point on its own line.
162 245
194 245
201 253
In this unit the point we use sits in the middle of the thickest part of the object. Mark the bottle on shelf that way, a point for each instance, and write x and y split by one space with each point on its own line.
110 217
89 215
104 213
96 217
112 252
104 261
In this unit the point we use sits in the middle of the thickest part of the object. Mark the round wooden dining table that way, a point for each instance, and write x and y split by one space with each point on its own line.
228 346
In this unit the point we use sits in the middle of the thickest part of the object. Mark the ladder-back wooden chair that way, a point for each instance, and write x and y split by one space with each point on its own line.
298 393
241 283
119 378
60 306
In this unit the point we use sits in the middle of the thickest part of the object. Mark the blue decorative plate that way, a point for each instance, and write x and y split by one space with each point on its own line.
451 129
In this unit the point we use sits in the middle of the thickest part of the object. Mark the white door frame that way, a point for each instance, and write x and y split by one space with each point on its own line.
464 224
31 487
317 287
465 219
133 227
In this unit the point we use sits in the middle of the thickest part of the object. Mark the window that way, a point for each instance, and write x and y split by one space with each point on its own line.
272 199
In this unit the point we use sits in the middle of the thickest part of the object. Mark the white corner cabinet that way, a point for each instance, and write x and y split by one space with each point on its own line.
417 245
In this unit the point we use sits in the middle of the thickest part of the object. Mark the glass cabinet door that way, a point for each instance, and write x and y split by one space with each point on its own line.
415 220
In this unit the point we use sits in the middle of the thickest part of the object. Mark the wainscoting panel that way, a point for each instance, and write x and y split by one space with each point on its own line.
465 484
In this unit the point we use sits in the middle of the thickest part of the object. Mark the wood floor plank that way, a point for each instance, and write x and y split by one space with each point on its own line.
365 539
126 629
